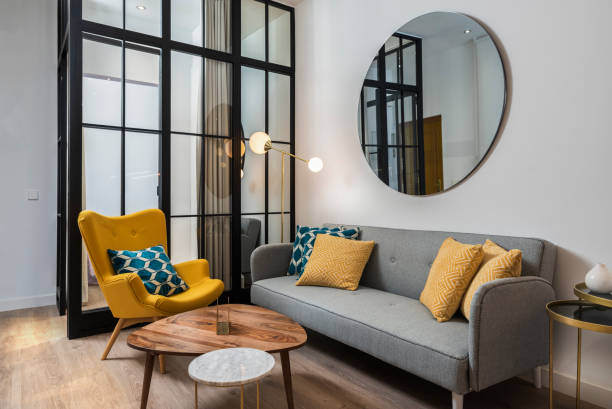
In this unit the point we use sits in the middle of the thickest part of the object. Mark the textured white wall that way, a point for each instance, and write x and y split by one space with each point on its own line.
28 151
548 176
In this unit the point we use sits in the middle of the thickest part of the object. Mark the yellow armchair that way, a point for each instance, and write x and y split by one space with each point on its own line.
125 294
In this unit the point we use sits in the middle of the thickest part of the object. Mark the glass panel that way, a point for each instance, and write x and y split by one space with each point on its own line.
410 131
371 153
253 100
253 29
372 73
218 247
142 94
412 173
186 182
184 239
369 97
274 229
279 32
217 175
109 12
391 64
141 171
102 76
186 21
409 64
253 184
393 118
219 25
279 107
143 16
102 171
91 294
392 43
218 98
396 169
186 91
274 179
252 229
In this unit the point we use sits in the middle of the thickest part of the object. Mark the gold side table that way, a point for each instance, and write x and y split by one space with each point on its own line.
592 315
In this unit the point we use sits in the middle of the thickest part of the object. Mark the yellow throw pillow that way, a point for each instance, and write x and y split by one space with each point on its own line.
336 262
497 263
449 277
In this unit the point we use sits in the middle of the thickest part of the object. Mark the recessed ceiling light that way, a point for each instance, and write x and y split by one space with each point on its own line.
467 31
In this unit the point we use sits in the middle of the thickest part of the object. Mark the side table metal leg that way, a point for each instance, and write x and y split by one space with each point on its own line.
550 363
195 384
258 395
578 364
241 396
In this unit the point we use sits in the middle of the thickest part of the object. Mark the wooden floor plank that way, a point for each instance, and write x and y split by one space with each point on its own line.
41 369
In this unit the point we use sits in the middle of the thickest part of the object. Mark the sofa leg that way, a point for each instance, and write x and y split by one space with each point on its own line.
537 377
457 400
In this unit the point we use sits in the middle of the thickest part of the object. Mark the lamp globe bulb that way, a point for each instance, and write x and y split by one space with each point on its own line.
315 165
258 141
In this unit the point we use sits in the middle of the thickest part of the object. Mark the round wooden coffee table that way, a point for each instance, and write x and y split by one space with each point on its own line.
195 333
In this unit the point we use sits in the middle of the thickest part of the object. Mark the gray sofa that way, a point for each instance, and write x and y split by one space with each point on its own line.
506 336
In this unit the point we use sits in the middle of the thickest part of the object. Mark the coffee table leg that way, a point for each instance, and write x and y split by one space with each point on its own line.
195 384
258 395
146 382
241 396
287 377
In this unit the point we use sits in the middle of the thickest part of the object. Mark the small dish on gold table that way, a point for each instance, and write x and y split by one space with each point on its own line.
582 291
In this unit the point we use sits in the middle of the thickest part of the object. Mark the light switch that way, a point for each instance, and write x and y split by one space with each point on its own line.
33 194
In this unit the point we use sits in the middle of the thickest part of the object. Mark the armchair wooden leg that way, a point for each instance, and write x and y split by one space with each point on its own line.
113 337
457 401
162 359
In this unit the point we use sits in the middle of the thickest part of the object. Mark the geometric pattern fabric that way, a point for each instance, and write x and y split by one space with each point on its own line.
304 243
152 266
497 263
336 262
449 276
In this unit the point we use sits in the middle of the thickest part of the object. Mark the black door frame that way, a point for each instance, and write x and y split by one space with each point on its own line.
83 323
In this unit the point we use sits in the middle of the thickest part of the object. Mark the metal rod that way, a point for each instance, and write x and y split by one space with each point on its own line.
578 364
282 216
550 363
195 384
241 396
290 154
258 395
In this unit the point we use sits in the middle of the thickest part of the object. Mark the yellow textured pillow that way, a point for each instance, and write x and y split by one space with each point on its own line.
497 263
336 262
449 277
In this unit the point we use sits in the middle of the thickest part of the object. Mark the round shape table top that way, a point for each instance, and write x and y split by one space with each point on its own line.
195 332
231 366
581 314
583 292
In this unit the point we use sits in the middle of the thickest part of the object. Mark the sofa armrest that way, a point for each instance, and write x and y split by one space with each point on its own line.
270 260
508 330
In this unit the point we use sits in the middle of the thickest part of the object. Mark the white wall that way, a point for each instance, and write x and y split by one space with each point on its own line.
548 176
28 150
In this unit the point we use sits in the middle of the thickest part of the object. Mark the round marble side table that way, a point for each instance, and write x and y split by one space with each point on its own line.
231 367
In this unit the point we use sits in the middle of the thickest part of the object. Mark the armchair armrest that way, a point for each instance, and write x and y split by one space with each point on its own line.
193 271
508 330
127 296
270 260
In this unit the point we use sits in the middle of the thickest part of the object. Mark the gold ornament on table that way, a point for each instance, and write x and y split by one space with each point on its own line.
223 327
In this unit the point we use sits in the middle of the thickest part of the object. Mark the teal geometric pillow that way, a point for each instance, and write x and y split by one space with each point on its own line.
152 266
298 249
308 239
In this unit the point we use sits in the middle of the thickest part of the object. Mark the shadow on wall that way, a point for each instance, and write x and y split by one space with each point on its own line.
570 269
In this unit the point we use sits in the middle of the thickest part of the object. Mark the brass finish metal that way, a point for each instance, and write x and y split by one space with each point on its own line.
572 322
195 384
241 396
258 394
581 291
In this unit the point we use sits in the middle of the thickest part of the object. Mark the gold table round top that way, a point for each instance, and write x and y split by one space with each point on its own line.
581 291
581 314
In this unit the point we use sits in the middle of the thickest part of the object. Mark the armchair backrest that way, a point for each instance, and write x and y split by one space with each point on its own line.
134 231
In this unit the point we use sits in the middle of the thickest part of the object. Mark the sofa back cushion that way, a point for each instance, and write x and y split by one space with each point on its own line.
401 259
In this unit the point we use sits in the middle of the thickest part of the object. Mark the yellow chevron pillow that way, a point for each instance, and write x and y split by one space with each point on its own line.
336 262
496 263
449 277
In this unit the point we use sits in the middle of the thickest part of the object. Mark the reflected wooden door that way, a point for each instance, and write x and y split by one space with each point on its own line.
432 147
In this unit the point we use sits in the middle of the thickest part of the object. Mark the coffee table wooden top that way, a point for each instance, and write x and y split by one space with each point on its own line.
195 332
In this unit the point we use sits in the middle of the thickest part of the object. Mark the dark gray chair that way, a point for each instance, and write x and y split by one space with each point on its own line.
249 229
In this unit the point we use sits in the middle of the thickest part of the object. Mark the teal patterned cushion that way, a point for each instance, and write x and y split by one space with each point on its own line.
303 245
152 266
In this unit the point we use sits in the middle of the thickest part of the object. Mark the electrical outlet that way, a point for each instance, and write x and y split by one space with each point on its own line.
33 194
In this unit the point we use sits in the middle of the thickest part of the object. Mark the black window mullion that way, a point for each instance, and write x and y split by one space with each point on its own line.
165 141
267 157
123 182
202 198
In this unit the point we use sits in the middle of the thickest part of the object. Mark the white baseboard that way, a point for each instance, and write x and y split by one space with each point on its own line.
9 304
589 392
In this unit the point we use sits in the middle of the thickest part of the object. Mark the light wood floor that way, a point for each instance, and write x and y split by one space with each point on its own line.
40 369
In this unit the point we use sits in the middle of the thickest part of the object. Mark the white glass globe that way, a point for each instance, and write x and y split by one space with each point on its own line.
258 141
315 165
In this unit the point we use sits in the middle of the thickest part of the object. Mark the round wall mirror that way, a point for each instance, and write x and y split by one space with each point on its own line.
432 103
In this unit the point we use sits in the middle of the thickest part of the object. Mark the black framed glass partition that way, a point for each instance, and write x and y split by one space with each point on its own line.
162 95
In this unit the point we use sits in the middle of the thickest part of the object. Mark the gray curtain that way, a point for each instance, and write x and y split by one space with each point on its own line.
217 150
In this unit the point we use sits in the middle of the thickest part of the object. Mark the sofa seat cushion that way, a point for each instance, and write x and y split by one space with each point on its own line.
396 329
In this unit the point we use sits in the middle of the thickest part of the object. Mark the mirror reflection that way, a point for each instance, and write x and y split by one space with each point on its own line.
431 103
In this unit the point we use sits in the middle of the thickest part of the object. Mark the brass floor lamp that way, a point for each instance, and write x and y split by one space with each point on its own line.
260 143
